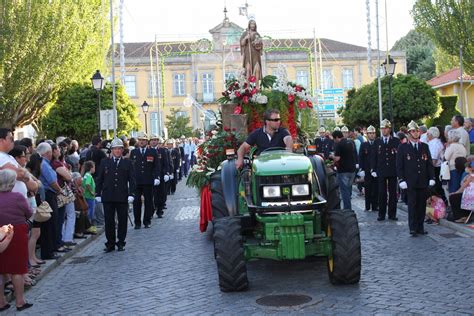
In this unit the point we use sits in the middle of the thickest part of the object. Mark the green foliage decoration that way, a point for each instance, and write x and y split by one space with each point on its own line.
178 125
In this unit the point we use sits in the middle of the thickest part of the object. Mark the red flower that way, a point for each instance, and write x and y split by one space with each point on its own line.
246 85
238 110
252 79
298 88
301 104
291 98
246 99
254 90
227 129
237 94
309 104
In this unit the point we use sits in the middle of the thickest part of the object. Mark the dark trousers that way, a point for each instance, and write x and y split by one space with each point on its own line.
387 184
48 228
59 226
82 223
173 183
455 202
371 192
110 209
159 196
147 192
416 208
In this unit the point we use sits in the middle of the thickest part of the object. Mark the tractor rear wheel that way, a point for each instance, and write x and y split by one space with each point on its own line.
344 265
229 253
333 197
219 208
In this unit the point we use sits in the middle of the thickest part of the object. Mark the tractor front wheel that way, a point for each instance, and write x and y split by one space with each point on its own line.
229 253
344 265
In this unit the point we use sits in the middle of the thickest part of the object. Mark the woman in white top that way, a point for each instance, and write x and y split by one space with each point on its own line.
436 150
454 150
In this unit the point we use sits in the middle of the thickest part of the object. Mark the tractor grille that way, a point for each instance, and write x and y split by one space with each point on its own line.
286 179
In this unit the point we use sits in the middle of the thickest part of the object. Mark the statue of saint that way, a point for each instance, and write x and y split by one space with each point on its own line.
251 48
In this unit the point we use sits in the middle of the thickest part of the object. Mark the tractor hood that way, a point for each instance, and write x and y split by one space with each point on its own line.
281 162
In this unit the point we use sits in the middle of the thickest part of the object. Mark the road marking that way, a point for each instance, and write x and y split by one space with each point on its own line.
187 213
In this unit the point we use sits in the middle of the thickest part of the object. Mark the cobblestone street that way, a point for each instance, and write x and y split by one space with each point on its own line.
170 269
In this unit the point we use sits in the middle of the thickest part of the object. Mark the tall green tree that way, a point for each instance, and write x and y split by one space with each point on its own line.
449 23
178 125
45 45
419 51
412 99
75 112
444 62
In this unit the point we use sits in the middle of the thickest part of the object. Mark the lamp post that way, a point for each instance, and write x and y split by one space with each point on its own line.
389 68
145 111
98 84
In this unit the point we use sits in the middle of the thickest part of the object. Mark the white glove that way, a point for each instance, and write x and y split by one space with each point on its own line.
131 199
156 182
98 199
403 185
171 177
166 177
177 170
361 174
432 183
374 174
357 166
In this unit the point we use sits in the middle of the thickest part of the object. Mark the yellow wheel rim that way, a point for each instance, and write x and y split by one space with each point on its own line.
330 258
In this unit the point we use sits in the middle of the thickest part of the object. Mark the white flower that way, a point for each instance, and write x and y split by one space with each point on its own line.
214 132
261 99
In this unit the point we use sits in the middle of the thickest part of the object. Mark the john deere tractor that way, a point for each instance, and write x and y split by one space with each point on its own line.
281 206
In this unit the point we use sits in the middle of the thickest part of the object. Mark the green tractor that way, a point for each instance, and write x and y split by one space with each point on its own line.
281 206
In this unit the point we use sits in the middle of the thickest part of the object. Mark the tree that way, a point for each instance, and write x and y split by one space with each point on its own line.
448 110
444 62
75 112
449 24
45 45
178 125
412 99
419 51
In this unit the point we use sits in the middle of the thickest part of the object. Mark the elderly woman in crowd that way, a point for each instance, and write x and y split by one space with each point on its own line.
436 151
14 260
454 150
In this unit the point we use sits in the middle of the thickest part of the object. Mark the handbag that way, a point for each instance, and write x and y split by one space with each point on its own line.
43 212
444 173
66 196
80 203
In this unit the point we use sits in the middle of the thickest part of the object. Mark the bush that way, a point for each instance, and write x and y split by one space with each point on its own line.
448 106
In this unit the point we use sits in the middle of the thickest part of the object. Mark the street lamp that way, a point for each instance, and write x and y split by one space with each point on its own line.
145 111
98 84
389 68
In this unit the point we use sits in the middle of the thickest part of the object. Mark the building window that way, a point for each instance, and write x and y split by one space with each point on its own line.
328 82
302 78
229 75
178 84
347 78
207 87
154 123
131 86
153 86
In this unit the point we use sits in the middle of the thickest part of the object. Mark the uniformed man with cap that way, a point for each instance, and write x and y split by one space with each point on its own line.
345 131
176 158
159 192
115 189
416 173
337 128
324 145
383 167
366 154
147 175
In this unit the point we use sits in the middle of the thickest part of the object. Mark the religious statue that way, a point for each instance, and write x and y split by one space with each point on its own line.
251 48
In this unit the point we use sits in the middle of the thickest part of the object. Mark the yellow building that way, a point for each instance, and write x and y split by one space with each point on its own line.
449 83
164 74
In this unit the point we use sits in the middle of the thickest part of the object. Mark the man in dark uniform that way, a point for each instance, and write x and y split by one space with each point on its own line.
383 167
181 155
176 158
159 192
323 144
366 153
168 146
416 173
268 136
145 163
115 189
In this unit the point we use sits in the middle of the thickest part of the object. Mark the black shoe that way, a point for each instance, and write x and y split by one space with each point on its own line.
109 249
422 232
413 233
165 208
147 225
137 227
380 218
80 237
367 209
160 215
121 248
375 210
23 307
393 218
4 308
53 257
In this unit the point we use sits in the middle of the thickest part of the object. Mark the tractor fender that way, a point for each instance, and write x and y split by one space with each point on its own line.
320 170
230 186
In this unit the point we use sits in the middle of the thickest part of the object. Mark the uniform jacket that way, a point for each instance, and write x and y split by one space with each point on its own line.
163 161
115 183
366 154
324 146
384 160
176 157
170 161
415 166
146 166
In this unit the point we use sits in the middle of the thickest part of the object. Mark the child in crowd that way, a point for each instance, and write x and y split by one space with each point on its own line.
88 184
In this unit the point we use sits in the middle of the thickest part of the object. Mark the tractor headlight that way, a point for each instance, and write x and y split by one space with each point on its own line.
271 191
300 189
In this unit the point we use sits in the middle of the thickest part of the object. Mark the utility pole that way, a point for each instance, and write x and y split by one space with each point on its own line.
114 97
460 82
379 81
315 52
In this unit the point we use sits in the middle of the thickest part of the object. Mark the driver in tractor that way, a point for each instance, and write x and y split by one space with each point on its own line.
268 136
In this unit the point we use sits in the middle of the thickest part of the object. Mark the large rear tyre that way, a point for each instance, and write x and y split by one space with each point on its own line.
219 208
344 265
229 253
333 196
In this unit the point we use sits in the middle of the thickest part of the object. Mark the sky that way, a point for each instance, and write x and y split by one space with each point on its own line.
340 20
